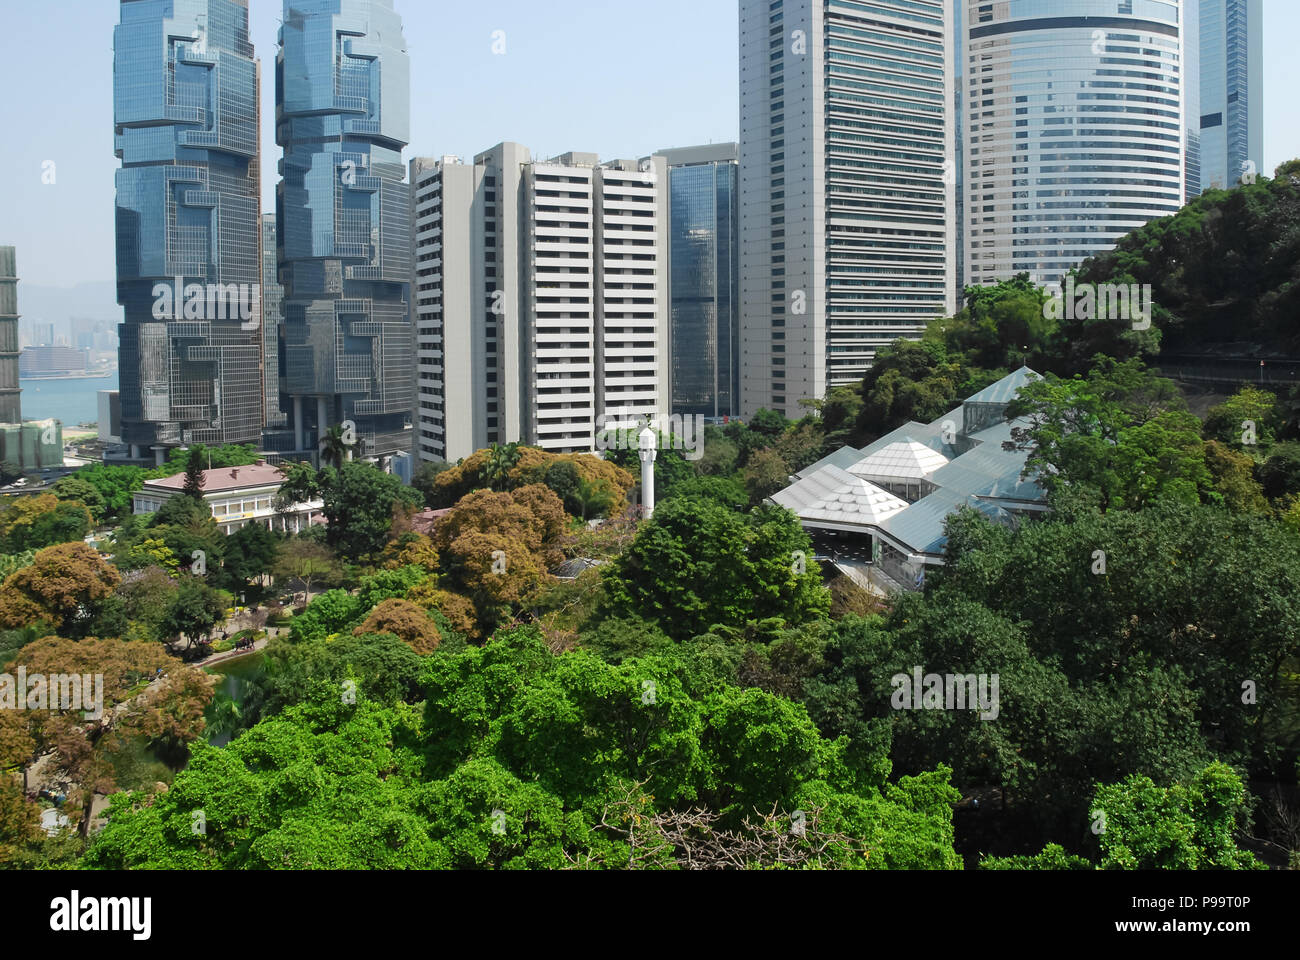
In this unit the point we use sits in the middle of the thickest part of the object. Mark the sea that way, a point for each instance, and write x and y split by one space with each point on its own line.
73 401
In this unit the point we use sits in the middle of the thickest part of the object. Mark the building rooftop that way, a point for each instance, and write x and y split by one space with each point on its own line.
1004 391
218 479
833 495
967 470
902 460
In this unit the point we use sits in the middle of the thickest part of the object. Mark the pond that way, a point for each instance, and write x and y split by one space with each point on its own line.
236 679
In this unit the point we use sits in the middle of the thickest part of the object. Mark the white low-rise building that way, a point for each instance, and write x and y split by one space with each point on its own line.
237 496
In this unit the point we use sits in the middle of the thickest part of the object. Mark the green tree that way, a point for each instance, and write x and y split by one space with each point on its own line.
34 522
500 461
766 474
193 486
213 458
74 488
251 552
1183 827
115 485
697 563
1245 420
308 563
1279 475
592 498
425 480
1120 434
514 760
359 503
909 381
193 611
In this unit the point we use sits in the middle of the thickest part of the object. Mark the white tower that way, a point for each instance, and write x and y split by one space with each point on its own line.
648 443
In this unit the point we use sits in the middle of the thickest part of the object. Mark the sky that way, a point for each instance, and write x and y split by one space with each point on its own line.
613 77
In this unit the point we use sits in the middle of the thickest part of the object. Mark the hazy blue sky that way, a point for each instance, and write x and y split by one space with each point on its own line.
610 76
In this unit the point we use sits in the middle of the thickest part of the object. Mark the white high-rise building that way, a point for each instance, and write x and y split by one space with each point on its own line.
1232 91
541 299
847 212
1075 129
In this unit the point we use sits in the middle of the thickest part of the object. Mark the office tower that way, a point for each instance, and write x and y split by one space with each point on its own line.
185 112
10 387
1232 91
272 295
704 279
1074 130
541 296
846 188
343 222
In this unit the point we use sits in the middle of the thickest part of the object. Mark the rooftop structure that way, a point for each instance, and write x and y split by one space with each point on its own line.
899 491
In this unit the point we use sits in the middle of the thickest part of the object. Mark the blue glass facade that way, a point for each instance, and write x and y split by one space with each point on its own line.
704 289
343 219
1230 112
272 294
185 103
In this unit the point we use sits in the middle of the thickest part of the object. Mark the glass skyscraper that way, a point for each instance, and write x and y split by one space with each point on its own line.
1232 95
272 295
185 103
343 219
704 256
1075 129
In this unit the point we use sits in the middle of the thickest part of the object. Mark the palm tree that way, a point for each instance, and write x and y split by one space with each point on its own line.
595 496
333 448
500 461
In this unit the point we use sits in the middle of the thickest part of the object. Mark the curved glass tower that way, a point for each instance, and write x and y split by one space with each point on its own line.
1074 126
185 124
343 219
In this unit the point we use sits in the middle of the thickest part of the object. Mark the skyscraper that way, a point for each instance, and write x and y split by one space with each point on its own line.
1074 127
1232 91
343 221
10 386
704 281
272 295
847 178
541 292
185 117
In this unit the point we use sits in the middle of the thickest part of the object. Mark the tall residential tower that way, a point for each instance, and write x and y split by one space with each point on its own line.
847 177
541 290
185 103
343 223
